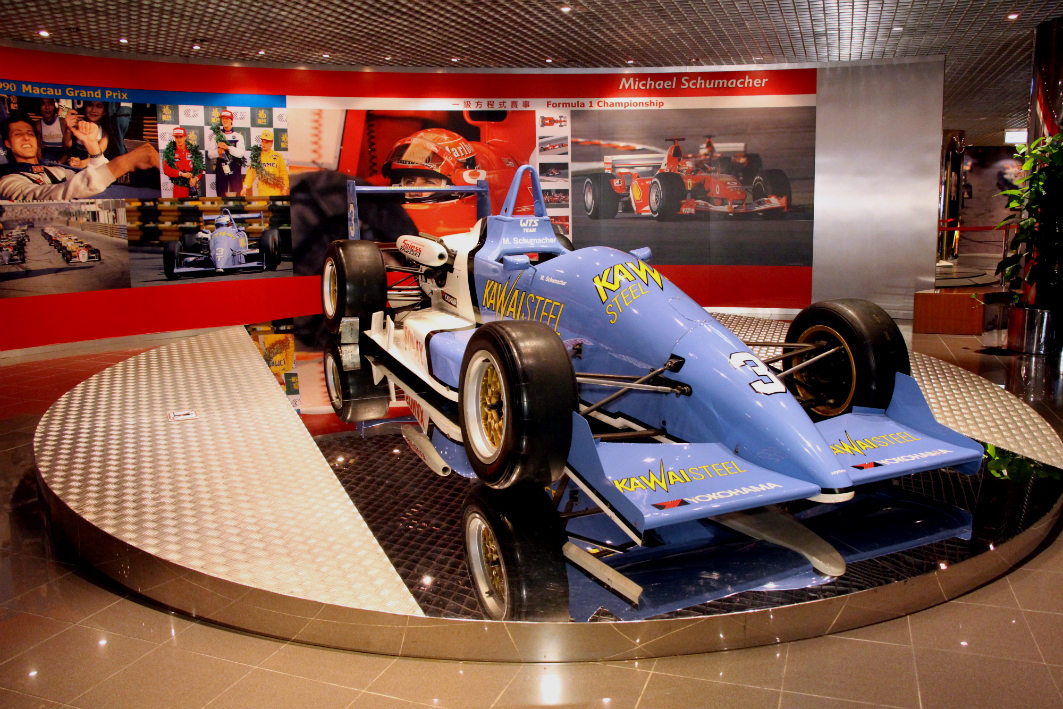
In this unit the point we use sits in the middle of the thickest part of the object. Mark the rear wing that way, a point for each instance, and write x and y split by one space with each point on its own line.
633 161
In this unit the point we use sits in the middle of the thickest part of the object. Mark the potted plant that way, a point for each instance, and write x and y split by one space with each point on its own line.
1035 266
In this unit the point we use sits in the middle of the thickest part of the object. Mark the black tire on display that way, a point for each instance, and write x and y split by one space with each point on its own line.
171 254
353 283
748 173
269 244
863 372
600 200
516 395
351 391
667 191
513 549
772 183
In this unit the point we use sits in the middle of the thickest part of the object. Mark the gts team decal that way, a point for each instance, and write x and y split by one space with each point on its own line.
672 477
902 459
859 445
508 301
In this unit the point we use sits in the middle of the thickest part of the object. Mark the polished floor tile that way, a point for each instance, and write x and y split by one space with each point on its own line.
953 680
1047 629
160 680
852 669
1038 590
128 617
792 700
997 593
754 667
211 640
980 630
70 663
447 684
17 700
69 598
578 685
262 689
894 632
683 693
347 669
21 631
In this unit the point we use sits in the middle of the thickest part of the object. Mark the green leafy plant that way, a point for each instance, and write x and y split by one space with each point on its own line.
1038 241
1012 466
169 156
219 137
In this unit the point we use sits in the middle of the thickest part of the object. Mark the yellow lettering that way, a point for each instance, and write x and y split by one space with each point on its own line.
698 476
616 302
844 447
511 309
601 282
612 313
557 323
864 444
635 484
619 270
520 307
645 272
684 474
673 478
550 318
624 295
719 469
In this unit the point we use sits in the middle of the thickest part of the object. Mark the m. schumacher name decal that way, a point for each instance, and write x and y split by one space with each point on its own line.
508 301
851 446
653 481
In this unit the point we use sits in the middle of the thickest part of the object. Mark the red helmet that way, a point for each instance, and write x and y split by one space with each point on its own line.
435 150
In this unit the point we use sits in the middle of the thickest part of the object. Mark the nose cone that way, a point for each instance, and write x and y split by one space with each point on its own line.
750 410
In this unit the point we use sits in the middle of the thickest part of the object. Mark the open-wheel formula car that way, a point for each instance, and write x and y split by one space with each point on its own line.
226 249
71 248
666 186
529 364
13 246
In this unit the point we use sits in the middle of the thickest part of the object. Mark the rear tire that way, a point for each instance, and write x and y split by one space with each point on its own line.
667 191
268 245
351 391
600 200
513 549
515 402
171 255
863 373
353 283
772 183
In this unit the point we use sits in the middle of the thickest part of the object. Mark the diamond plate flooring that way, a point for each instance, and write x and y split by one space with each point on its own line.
240 492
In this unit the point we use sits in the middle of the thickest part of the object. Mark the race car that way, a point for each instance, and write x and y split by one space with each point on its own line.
12 247
226 249
547 147
71 248
672 184
528 364
548 121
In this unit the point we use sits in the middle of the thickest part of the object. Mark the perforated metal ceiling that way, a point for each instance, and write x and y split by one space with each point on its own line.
987 68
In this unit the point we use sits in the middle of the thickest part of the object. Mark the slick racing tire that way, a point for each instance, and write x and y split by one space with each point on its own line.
513 549
171 254
600 200
353 283
516 396
269 245
862 372
772 183
667 191
349 382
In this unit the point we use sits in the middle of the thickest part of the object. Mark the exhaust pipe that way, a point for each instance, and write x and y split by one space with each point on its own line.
424 449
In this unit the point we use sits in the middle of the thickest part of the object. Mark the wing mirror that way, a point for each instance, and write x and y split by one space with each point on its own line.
516 262
643 254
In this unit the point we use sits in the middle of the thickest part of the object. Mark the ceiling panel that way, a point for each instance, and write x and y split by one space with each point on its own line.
987 56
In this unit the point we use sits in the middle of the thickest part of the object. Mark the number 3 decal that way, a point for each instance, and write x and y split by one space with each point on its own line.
767 383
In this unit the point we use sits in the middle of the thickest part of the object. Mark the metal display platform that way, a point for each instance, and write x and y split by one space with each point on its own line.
238 516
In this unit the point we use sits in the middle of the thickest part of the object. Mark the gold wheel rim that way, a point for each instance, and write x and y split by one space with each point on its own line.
492 407
492 559
809 335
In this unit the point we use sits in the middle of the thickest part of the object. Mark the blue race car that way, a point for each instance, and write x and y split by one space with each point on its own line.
527 362
226 249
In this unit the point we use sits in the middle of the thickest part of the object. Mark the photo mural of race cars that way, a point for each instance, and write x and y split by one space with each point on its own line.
705 186
529 364
62 247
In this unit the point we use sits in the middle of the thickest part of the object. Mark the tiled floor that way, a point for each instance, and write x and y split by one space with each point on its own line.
72 639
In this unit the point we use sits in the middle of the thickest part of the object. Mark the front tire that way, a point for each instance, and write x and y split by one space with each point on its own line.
515 400
268 245
353 283
513 549
773 183
171 255
667 191
863 372
600 200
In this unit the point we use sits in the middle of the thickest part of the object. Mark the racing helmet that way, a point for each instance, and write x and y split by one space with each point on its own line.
223 220
432 153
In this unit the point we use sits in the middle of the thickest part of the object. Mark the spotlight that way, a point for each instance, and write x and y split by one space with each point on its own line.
325 56
261 51
44 33
124 41
1013 16
566 8
453 59
549 61
195 46
897 29
630 61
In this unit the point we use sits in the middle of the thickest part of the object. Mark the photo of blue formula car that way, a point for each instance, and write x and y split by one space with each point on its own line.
226 249
527 362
